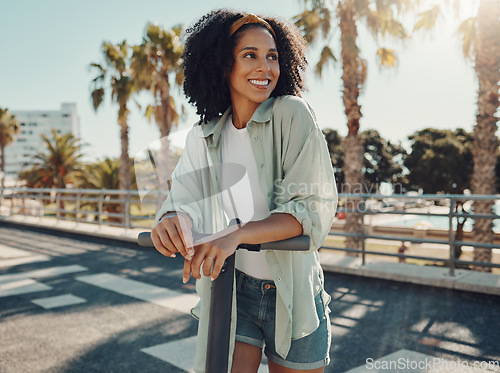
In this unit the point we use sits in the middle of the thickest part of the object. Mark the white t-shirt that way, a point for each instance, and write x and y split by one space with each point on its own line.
242 195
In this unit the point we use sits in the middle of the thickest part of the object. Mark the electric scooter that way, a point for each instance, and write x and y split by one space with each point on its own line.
222 296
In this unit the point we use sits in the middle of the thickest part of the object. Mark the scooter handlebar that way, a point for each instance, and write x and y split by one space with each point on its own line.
298 243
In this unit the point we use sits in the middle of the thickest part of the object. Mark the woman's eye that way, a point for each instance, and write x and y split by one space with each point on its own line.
249 55
273 57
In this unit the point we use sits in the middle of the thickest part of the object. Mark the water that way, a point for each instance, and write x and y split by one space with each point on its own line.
439 222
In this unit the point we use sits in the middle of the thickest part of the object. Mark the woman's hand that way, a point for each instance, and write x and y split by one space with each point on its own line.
212 255
174 234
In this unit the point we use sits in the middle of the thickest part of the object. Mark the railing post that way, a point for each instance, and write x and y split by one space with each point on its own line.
451 239
100 207
58 210
77 208
363 248
42 213
127 210
24 203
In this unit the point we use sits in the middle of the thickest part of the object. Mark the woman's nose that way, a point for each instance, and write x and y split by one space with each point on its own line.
263 65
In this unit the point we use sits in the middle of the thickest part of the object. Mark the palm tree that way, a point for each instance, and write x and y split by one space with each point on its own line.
380 18
56 166
155 63
9 127
480 37
101 175
115 74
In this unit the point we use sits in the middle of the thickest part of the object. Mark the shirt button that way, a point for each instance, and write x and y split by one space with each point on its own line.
269 194
262 165
278 278
289 306
256 138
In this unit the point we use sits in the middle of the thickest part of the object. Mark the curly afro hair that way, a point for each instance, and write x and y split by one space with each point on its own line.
208 56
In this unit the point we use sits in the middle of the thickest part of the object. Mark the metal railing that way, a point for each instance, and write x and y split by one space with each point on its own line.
406 206
126 208
121 208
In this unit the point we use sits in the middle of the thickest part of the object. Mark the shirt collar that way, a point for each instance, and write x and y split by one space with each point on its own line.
262 114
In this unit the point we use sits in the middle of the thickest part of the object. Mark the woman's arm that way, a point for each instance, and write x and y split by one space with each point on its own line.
276 227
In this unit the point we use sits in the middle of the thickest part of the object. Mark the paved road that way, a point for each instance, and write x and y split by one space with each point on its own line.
74 304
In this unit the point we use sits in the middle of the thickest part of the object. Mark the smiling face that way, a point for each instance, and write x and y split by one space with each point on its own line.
256 69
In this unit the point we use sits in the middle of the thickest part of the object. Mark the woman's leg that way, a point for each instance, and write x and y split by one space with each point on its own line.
276 368
246 358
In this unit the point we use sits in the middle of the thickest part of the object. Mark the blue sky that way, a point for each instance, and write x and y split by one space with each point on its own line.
48 45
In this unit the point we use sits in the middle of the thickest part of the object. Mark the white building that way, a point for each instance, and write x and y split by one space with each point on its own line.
19 154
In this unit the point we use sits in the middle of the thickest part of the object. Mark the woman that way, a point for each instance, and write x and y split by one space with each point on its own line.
244 74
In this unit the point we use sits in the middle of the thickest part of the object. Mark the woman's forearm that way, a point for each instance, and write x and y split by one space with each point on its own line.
273 228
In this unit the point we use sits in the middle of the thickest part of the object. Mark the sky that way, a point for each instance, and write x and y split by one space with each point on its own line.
47 46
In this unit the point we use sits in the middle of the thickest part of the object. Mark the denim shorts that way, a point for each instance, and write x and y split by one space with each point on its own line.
256 305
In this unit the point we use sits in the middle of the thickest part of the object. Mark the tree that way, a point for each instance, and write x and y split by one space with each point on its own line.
336 150
9 128
441 162
103 175
480 36
154 63
115 74
57 165
380 18
382 160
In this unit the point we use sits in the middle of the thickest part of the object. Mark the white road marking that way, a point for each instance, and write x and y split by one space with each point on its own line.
58 301
11 252
12 262
180 353
150 293
45 272
21 286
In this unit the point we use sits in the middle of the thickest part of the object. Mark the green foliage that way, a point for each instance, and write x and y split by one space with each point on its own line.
57 165
440 161
336 150
9 127
383 160
101 175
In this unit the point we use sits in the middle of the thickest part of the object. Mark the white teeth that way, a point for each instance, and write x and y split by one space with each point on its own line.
259 82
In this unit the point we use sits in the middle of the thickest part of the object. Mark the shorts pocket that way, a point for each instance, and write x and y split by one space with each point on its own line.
320 307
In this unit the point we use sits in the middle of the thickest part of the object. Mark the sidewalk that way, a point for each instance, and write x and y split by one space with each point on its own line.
479 282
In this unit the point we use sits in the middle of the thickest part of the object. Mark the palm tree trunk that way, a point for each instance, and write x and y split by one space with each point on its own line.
164 166
124 166
352 79
486 143
2 165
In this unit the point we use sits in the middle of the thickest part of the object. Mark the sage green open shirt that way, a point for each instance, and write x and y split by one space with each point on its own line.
296 176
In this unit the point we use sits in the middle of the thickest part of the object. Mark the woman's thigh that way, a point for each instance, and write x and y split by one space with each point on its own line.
246 358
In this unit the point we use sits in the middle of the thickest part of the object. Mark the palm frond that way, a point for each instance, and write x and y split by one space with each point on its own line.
387 57
467 33
325 57
427 20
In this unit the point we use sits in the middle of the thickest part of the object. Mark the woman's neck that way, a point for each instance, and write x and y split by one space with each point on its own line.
242 113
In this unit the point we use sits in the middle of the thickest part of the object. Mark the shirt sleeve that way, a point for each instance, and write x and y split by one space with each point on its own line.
307 188
186 194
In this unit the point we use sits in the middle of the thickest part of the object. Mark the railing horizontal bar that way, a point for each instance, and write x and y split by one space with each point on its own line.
389 238
477 244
